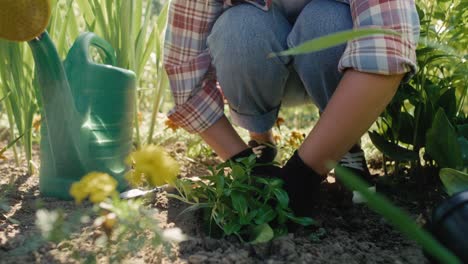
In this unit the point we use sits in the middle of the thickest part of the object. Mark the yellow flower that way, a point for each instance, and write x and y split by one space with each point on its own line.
297 135
134 177
295 139
97 186
171 124
153 165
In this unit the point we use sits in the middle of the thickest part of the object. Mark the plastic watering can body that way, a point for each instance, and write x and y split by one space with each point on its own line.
87 113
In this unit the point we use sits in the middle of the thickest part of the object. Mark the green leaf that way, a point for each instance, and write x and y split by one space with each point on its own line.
454 181
194 207
162 19
396 216
262 234
219 184
448 102
332 40
238 171
239 203
231 228
463 130
265 215
5 97
252 215
282 196
392 150
271 183
464 150
424 115
406 128
421 13
9 145
442 143
305 221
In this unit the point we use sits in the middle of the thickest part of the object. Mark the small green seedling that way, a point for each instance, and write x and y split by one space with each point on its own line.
253 208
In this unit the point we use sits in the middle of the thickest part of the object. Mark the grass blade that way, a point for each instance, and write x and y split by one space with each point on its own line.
332 40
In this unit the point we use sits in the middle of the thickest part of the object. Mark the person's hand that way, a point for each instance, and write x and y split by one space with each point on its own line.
264 166
302 185
265 152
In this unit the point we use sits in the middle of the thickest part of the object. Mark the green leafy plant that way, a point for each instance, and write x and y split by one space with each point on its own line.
396 216
253 208
159 76
425 113
18 91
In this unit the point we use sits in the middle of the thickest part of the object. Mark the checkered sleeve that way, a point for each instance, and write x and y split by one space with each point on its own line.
198 101
384 54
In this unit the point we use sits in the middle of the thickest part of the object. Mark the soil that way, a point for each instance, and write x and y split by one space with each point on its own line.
351 234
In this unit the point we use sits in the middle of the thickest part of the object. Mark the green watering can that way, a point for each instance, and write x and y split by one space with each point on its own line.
88 111
87 108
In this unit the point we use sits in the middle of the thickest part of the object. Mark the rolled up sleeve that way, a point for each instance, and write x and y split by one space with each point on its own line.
383 54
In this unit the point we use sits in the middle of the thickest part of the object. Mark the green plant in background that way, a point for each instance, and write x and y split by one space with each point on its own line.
17 89
135 34
454 181
159 77
429 112
18 86
252 208
397 217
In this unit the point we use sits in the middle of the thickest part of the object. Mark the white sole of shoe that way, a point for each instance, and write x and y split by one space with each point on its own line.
359 199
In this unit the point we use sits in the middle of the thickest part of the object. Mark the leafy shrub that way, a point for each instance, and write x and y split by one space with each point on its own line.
427 115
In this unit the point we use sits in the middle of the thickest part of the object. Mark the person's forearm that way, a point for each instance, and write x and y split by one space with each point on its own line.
223 139
357 102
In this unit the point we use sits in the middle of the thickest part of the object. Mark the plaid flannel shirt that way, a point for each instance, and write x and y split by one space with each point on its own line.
198 99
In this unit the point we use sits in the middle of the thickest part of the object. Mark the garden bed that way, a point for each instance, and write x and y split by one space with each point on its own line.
347 234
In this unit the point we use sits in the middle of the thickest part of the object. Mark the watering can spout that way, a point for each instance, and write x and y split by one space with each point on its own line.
59 115
88 111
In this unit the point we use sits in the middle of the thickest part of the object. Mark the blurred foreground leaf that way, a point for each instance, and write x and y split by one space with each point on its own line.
332 40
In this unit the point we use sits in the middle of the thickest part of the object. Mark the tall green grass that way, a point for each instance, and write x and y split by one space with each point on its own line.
18 91
135 34
18 85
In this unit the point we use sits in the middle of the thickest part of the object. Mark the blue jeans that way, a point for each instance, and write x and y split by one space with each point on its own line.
256 86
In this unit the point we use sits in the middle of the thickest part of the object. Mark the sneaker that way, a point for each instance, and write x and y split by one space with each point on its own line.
355 161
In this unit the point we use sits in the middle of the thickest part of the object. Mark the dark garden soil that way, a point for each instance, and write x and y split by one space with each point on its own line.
347 234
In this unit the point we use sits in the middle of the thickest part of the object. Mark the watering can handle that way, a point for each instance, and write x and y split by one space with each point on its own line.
86 40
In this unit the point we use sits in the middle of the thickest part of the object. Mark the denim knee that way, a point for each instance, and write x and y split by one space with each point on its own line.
253 84
319 70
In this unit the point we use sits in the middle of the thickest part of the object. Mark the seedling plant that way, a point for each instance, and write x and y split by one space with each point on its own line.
236 202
